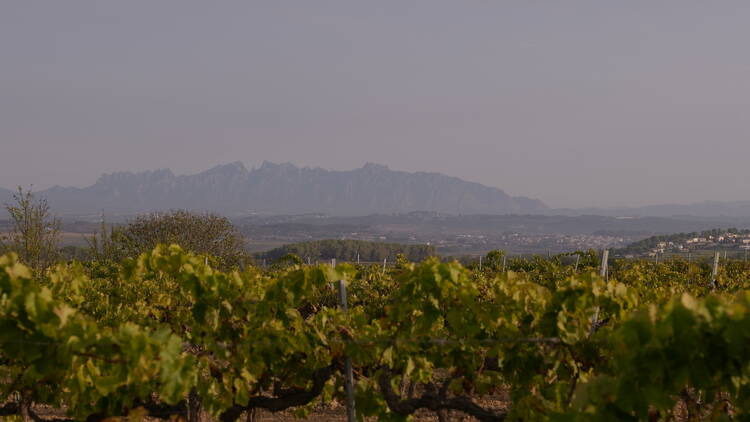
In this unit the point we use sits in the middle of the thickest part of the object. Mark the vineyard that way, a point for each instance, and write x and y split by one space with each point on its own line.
168 336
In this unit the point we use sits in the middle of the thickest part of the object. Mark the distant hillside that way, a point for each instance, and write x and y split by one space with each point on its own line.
231 189
697 209
434 224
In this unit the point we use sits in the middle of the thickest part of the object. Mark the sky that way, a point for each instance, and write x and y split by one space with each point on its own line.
581 103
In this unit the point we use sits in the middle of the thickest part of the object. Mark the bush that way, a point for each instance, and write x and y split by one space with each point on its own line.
204 234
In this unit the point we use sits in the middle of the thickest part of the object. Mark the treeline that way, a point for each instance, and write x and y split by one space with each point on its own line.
34 234
349 250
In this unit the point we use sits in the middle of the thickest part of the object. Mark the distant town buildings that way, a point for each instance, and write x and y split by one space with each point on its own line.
729 240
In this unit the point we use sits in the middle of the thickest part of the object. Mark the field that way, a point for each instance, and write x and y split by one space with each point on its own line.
566 337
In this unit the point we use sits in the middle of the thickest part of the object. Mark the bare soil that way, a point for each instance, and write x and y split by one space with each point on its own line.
333 412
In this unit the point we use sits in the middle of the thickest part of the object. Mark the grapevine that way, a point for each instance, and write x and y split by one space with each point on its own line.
167 335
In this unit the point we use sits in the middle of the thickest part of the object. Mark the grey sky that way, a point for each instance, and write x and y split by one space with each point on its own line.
598 103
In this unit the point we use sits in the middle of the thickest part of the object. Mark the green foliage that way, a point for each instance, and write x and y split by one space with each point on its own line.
105 339
287 261
35 232
106 245
204 234
494 260
662 352
54 353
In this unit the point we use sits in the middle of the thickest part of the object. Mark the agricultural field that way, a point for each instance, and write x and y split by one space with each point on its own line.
570 337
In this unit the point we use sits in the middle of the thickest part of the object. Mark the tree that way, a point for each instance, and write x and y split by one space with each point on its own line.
286 261
103 245
35 232
205 234
494 259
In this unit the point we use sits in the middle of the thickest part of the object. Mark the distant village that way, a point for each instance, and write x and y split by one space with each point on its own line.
725 240
527 243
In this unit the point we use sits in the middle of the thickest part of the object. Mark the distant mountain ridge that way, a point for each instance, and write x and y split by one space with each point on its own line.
231 189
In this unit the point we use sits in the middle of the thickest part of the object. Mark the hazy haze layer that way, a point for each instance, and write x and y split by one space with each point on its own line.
578 104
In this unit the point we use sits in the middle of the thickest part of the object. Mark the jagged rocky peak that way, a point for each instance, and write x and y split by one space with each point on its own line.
288 189
130 177
235 168
374 167
268 165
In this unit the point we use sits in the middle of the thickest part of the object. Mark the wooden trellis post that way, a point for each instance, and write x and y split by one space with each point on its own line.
351 415
715 272
604 265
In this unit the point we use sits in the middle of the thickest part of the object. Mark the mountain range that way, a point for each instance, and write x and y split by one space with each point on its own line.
232 189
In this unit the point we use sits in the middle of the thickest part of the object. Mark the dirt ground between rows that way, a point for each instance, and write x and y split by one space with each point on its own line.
338 414
331 412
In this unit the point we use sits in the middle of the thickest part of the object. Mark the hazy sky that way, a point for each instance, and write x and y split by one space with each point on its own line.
598 103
